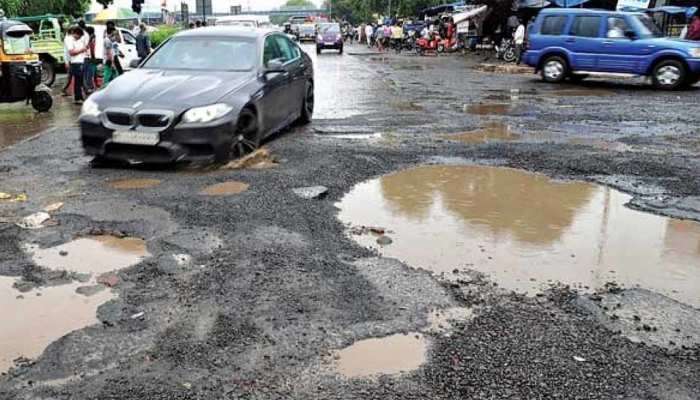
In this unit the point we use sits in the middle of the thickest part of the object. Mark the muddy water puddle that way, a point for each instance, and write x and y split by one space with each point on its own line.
225 188
492 132
381 356
19 121
38 317
487 108
525 230
93 254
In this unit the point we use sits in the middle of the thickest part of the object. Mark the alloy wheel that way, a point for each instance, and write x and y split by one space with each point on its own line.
246 139
553 70
668 75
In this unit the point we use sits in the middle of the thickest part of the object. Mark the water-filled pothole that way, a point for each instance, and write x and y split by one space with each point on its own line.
488 108
525 230
492 132
92 254
382 356
225 189
32 320
137 183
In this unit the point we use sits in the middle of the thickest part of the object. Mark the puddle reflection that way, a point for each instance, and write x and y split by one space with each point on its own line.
19 121
525 229
382 356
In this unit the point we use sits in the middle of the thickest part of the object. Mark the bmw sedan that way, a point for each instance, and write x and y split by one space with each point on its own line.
208 94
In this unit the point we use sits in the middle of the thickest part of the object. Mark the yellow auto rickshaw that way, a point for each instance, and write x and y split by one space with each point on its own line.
20 69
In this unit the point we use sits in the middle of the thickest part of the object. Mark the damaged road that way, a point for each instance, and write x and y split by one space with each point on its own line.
237 284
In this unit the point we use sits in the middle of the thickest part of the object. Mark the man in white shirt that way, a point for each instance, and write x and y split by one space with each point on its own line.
369 31
519 39
76 50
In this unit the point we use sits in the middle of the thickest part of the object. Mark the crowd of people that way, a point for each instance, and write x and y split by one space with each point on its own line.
83 61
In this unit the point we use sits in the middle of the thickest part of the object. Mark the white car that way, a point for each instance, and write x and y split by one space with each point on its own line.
127 48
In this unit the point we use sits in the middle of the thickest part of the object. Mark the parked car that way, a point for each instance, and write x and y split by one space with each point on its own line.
127 49
180 103
573 43
250 21
329 37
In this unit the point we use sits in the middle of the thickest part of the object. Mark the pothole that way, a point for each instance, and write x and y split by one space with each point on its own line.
352 136
487 108
225 189
492 132
34 319
131 184
92 254
525 231
388 355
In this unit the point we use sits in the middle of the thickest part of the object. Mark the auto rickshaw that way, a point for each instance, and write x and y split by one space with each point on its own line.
20 69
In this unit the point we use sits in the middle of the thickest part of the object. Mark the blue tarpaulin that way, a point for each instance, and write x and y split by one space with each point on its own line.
688 11
569 3
449 7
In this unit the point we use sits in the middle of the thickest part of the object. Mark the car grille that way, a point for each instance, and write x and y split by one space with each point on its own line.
153 120
118 118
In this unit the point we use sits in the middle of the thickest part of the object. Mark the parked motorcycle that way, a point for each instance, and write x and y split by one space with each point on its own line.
450 45
431 44
506 51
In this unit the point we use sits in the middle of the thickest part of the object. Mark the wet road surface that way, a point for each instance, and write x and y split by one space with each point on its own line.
232 286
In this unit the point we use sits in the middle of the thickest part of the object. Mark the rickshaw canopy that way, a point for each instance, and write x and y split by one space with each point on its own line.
14 27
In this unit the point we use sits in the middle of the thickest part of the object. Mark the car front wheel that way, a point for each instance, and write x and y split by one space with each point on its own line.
246 138
554 69
669 75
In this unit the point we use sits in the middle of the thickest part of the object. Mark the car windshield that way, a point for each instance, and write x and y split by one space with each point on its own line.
16 44
195 53
646 26
330 28
307 28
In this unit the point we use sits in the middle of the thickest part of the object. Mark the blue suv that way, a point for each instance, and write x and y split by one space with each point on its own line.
574 43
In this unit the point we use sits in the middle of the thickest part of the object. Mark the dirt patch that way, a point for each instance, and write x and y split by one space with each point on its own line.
382 356
131 184
487 108
259 159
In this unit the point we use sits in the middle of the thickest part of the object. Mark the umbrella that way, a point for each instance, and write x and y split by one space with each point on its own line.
115 14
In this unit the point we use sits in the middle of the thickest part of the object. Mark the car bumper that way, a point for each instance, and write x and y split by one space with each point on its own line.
187 143
694 65
531 58
326 45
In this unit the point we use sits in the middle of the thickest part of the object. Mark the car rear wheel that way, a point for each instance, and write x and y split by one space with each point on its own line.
554 69
307 109
669 75
246 138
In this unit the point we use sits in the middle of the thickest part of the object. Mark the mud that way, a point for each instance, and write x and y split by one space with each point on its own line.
382 356
33 319
93 254
488 108
225 189
493 131
526 231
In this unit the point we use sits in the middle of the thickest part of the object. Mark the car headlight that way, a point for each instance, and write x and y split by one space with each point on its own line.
694 52
90 108
207 113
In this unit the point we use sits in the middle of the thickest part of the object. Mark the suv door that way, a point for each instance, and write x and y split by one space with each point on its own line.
583 41
618 52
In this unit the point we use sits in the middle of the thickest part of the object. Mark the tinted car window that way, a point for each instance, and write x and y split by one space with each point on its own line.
616 28
235 54
284 47
586 26
128 38
270 52
553 25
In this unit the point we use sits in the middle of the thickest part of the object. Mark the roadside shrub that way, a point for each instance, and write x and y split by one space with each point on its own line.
163 33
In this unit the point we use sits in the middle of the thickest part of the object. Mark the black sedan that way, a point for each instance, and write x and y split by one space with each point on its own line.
205 94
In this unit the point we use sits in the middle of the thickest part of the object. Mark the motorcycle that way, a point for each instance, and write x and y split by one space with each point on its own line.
424 45
450 45
506 51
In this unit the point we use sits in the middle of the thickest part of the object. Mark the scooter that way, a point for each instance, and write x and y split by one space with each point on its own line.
424 45
450 45
506 51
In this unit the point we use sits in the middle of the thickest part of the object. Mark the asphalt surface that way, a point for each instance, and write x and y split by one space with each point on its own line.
275 285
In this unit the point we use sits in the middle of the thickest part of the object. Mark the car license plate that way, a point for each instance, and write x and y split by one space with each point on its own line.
135 137
330 44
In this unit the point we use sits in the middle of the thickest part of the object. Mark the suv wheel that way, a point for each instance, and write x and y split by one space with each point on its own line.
669 75
554 69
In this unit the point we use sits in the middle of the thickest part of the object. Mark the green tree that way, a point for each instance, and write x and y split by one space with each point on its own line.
300 3
34 7
105 3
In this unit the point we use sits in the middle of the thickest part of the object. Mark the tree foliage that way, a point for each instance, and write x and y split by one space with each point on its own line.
300 3
38 7
363 10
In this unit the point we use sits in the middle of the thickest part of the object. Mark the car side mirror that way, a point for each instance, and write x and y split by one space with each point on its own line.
631 35
135 63
274 67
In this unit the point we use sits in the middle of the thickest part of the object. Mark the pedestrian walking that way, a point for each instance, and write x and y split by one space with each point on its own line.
66 57
379 38
90 64
110 71
369 32
519 39
116 38
77 50
143 42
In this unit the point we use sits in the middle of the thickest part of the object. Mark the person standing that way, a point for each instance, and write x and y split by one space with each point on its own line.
143 43
110 70
77 50
369 31
90 65
519 39
116 38
66 57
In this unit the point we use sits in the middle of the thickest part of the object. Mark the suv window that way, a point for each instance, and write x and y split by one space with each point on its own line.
616 28
586 26
553 25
